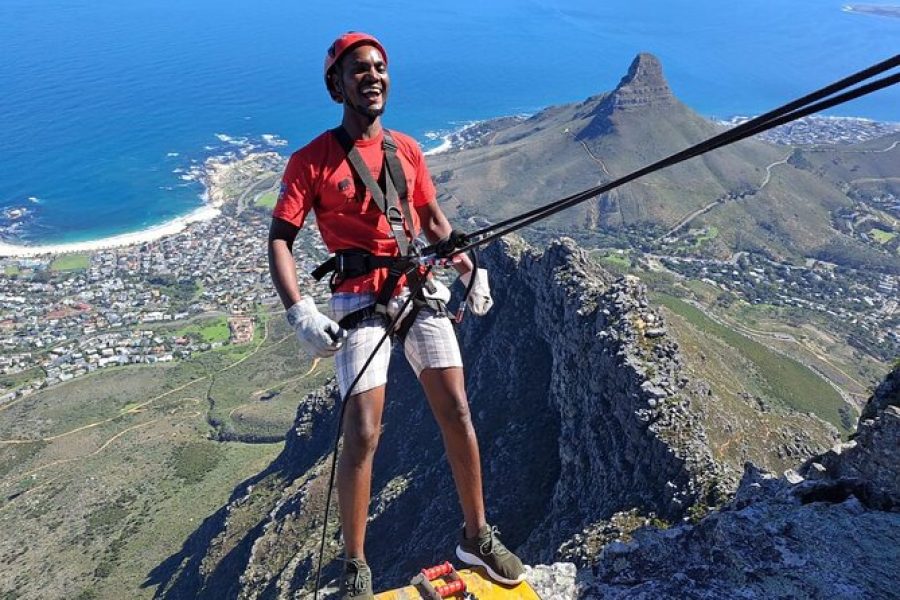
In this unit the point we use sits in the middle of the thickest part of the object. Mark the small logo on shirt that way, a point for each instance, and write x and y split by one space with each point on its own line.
282 191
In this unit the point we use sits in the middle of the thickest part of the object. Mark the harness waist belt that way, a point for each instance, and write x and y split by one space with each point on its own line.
347 264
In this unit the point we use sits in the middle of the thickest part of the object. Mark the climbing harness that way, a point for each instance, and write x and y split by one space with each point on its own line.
458 242
391 195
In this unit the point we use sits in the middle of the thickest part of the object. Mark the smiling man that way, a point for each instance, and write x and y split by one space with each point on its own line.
372 195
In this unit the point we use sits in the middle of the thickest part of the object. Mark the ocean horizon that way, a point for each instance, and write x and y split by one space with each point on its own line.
112 110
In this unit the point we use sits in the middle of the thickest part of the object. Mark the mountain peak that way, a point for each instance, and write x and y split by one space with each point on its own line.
644 85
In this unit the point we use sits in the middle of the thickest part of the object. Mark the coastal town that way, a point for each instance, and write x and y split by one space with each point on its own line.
865 304
135 304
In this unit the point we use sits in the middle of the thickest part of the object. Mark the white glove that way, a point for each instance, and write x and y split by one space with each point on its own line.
479 299
441 292
317 333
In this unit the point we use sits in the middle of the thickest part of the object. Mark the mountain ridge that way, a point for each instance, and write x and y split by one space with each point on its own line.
572 376
756 199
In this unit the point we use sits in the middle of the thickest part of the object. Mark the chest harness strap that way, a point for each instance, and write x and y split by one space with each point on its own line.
387 193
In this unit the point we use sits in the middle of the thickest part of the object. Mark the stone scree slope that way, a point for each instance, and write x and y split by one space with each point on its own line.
831 530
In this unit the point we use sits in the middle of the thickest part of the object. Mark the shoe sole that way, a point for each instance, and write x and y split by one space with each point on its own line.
471 559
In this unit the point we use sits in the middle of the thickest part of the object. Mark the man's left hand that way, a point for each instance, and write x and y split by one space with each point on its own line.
479 299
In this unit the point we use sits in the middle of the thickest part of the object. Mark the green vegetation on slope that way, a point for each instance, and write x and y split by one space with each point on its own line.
784 380
14 380
105 477
882 237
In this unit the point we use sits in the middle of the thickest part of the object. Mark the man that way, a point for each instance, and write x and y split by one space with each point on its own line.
324 178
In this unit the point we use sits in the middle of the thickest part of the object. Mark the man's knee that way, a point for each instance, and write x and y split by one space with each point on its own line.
360 442
362 427
456 413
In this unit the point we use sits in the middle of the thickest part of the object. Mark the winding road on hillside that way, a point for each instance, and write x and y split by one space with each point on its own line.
684 222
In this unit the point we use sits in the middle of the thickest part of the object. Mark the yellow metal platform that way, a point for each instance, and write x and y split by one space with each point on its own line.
477 582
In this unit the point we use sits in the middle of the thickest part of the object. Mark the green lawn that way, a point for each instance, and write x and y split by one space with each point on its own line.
71 262
711 234
786 380
882 237
212 330
266 200
617 262
10 270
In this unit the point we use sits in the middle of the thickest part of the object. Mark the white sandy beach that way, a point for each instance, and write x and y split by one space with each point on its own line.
216 172
156 232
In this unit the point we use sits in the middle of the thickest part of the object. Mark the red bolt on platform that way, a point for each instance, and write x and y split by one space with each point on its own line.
437 571
451 588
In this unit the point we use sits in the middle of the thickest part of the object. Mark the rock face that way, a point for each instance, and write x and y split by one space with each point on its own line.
834 533
582 411
644 85
642 93
626 426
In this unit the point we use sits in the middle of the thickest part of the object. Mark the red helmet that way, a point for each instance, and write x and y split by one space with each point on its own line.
347 41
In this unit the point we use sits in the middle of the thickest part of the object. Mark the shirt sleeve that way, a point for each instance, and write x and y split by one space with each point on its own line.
424 191
295 199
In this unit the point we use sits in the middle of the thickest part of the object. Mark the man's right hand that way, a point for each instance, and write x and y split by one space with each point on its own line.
317 333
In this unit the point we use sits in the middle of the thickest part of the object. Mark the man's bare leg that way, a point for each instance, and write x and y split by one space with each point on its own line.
446 392
362 427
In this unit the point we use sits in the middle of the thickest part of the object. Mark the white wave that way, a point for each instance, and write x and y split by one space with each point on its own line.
445 145
172 154
15 213
234 141
272 139
449 138
34 199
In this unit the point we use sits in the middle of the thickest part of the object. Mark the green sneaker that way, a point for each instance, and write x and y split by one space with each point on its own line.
486 550
356 582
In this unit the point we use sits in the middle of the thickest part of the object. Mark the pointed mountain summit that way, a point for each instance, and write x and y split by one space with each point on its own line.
746 192
643 93
644 85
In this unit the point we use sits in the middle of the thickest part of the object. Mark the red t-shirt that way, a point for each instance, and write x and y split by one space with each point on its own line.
318 177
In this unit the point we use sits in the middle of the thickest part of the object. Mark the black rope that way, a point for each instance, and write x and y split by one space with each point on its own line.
791 111
337 438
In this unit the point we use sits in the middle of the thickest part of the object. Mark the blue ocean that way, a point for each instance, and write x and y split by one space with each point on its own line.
105 105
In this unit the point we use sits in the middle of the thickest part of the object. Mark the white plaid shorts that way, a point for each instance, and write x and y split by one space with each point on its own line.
430 344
